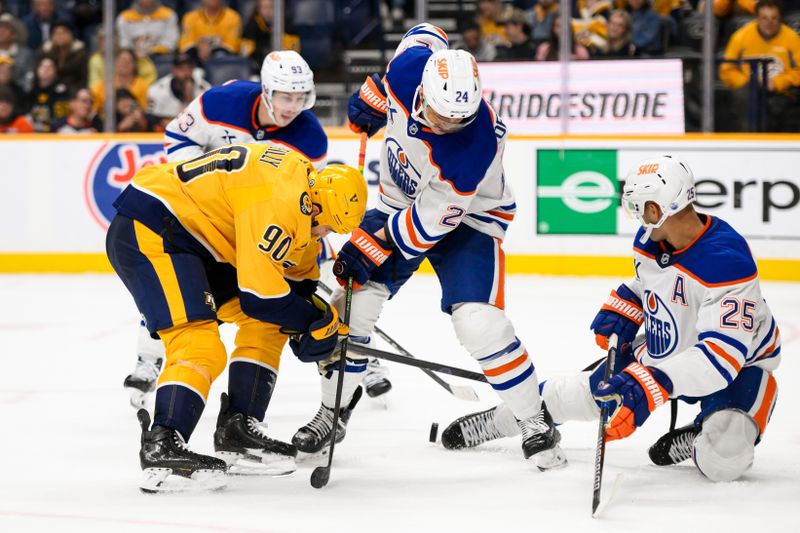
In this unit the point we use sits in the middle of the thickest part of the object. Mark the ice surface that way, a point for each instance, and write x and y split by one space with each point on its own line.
68 451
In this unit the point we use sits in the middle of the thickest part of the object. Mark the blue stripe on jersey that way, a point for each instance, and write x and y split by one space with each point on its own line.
725 374
176 136
510 207
181 146
766 339
355 368
775 353
418 226
724 338
398 239
515 381
489 220
508 349
422 30
305 134
232 104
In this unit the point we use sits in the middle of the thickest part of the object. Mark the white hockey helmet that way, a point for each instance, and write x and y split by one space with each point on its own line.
450 87
287 71
666 181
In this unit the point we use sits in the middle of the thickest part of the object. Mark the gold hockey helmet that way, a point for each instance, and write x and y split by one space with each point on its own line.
340 192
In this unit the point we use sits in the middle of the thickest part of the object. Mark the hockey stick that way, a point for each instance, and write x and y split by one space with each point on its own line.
421 363
673 414
462 392
600 453
321 474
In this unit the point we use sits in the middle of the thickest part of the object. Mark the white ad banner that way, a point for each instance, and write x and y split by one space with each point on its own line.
57 194
604 97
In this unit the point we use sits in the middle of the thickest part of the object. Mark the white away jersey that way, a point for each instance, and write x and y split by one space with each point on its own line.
228 114
704 316
430 183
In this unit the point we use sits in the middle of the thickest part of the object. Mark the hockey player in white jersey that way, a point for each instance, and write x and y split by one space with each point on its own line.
442 197
276 111
709 337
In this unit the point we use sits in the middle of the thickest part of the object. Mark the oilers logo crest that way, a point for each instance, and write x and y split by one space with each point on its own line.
110 171
661 330
401 170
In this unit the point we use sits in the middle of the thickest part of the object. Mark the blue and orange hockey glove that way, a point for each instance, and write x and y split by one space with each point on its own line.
359 257
631 396
366 109
621 314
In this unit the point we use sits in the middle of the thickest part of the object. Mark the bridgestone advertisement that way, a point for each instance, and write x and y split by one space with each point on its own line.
528 96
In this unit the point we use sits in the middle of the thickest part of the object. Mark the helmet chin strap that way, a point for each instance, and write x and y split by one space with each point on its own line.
268 106
648 228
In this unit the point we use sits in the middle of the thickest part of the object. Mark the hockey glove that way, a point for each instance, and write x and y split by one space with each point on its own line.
366 109
359 256
317 343
621 314
631 396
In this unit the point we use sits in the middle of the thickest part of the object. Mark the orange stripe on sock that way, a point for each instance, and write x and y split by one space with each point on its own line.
493 372
769 397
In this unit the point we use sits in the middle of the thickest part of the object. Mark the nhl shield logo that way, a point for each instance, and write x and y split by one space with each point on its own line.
110 171
661 330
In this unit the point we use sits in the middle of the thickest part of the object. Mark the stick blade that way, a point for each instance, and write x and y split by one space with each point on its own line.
464 392
320 476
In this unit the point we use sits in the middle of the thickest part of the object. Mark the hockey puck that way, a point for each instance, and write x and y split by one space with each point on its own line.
434 432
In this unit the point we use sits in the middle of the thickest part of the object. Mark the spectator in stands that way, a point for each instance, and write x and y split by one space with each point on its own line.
473 42
70 54
211 29
130 115
646 28
40 21
257 35
87 15
591 24
550 49
489 16
620 37
520 47
168 96
126 76
97 63
48 101
148 27
766 37
7 80
10 120
542 20
12 38
81 118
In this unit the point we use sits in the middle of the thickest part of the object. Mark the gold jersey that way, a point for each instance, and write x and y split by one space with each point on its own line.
248 205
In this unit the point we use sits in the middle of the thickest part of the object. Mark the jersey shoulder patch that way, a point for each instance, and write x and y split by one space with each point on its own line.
305 135
231 104
404 74
464 157
720 257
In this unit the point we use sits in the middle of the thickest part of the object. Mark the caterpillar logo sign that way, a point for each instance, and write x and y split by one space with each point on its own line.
578 190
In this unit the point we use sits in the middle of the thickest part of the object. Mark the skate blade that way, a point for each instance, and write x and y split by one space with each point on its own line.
163 481
551 459
258 464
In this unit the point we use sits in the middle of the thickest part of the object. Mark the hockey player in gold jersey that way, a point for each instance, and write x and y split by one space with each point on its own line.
230 236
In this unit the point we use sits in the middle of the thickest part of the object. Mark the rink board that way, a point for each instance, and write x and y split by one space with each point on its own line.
57 193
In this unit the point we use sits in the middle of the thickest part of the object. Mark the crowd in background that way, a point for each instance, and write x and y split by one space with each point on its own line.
52 67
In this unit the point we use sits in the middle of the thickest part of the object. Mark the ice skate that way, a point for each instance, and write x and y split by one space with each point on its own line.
242 443
471 430
169 466
316 435
142 381
375 379
540 440
674 447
